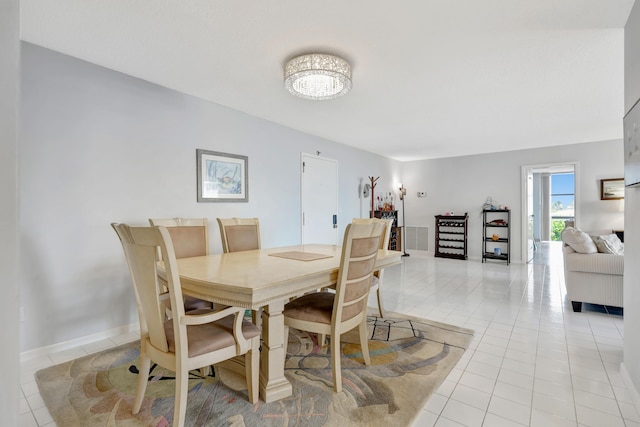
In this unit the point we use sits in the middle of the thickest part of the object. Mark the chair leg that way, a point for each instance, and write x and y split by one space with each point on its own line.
335 363
379 295
322 340
251 363
364 341
143 376
180 405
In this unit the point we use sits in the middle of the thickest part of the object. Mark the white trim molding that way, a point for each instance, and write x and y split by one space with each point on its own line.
78 342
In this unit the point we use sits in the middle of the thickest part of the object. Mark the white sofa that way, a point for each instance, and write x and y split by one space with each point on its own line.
593 277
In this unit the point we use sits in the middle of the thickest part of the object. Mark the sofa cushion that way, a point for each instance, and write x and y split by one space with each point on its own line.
580 241
593 263
609 244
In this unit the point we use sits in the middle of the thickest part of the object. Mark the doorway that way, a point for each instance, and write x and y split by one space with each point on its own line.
319 200
549 203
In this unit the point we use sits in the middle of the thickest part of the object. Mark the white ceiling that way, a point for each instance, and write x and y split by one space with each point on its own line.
431 78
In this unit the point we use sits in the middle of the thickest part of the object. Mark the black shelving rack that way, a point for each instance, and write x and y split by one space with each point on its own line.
496 235
451 236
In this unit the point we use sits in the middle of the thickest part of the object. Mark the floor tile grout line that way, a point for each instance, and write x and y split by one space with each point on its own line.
537 287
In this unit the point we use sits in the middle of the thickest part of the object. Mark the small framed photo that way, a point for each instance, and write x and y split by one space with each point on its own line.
222 177
612 189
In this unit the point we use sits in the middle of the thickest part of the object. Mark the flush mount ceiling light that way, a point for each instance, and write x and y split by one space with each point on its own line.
317 76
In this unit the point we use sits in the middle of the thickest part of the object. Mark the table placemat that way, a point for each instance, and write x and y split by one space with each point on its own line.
300 256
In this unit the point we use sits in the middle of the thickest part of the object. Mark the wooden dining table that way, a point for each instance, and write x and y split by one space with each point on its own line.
267 279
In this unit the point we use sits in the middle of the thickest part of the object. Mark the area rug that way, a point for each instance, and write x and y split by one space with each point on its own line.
410 358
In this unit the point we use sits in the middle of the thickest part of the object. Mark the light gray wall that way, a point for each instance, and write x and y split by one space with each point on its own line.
9 60
632 58
462 184
101 146
9 78
632 207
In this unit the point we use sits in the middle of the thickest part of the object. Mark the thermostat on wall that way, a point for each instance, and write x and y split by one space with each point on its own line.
422 194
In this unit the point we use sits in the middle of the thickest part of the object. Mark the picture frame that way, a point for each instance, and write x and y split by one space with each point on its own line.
222 177
612 189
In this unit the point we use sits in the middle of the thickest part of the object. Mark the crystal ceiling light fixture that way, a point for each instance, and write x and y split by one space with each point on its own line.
317 76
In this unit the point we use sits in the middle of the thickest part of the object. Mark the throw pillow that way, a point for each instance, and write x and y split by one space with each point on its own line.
609 244
579 241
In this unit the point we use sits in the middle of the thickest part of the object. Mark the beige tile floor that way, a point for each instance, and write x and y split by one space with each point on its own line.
533 362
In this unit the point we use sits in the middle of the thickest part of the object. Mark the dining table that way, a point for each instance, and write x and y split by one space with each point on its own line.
267 279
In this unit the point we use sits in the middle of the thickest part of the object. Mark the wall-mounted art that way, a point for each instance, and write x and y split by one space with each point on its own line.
612 189
222 177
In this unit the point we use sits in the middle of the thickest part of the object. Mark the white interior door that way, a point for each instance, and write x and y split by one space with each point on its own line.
319 200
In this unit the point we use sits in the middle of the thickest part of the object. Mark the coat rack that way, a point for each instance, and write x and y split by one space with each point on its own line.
373 198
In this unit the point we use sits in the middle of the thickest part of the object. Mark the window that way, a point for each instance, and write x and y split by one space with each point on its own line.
563 199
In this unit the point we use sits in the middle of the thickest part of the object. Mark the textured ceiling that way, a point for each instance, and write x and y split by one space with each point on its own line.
431 78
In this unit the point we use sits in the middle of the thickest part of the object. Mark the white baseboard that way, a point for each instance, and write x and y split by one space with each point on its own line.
77 342
631 388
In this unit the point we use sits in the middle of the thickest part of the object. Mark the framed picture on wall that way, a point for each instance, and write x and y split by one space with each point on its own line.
222 177
612 189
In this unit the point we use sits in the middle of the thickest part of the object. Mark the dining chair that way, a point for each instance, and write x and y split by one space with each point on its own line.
190 238
377 275
241 234
187 341
384 244
334 313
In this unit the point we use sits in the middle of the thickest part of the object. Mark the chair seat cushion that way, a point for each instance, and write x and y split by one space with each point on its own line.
192 303
210 336
313 307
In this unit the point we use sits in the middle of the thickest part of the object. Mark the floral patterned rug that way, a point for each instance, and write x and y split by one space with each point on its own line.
410 359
